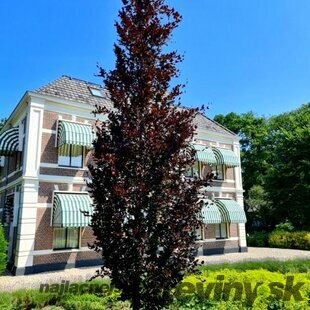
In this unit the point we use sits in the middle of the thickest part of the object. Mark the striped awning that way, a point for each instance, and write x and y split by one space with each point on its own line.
67 210
75 134
210 213
226 157
231 211
204 154
9 141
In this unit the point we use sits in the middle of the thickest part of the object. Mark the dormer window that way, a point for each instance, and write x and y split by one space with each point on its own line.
96 92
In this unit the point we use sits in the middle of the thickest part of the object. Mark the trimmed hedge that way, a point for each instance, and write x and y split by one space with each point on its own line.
290 240
3 251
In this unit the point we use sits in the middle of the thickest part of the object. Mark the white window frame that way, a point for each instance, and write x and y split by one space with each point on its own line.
70 159
67 248
220 226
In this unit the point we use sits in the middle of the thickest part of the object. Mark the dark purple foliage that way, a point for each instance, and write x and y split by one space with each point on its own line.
145 209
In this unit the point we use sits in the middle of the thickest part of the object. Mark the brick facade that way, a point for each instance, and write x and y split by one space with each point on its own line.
67 258
87 236
46 191
44 230
48 150
42 178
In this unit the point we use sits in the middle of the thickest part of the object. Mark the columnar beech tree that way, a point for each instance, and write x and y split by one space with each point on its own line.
145 211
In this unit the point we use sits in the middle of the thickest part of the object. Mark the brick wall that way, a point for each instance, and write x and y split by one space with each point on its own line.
209 231
230 174
49 153
87 236
233 230
50 119
46 191
70 257
64 172
44 231
221 244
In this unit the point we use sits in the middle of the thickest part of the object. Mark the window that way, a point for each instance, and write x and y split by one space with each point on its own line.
70 156
221 231
96 92
218 171
66 238
192 171
18 160
199 233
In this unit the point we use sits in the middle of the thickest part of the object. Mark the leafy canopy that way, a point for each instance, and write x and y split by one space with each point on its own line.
145 209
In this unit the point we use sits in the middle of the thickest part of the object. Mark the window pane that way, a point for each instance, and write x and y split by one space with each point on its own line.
76 156
59 238
73 238
64 155
217 231
223 230
198 233
218 172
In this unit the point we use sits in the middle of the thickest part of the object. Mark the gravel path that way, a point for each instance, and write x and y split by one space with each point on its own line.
9 283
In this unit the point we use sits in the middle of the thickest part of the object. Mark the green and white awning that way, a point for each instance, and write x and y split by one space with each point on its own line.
9 141
210 213
204 154
231 211
75 134
67 210
226 157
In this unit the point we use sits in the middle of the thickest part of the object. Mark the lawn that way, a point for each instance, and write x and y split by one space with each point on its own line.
249 285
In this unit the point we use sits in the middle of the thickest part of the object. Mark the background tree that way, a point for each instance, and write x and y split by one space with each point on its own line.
288 180
275 165
145 210
252 131
254 161
258 209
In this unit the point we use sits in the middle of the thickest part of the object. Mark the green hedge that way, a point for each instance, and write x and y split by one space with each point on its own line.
207 290
290 240
3 251
258 239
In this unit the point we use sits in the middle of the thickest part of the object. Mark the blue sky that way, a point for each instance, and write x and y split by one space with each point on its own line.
241 55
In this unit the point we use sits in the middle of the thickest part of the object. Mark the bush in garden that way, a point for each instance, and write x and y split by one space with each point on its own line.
3 251
264 299
290 240
285 226
258 239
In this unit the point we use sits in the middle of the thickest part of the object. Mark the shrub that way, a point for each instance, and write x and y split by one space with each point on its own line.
196 294
3 251
258 239
289 266
290 240
285 226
